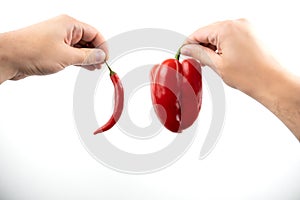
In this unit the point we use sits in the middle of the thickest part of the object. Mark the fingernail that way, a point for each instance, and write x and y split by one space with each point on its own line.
185 50
99 56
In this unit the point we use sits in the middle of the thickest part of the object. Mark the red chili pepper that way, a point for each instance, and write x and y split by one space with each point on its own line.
176 92
119 102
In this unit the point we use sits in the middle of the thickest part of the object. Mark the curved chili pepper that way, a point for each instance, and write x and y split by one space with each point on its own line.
176 92
119 102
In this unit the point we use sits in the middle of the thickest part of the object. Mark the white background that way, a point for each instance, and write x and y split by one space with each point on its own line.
41 155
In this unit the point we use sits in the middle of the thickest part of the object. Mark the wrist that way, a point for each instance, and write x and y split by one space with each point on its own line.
279 92
7 70
287 107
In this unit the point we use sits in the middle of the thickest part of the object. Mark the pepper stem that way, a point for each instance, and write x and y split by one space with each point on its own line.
111 72
177 56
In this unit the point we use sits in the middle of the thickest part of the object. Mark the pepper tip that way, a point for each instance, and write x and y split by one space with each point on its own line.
97 132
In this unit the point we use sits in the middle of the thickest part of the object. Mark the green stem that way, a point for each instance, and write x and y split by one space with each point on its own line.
177 56
111 72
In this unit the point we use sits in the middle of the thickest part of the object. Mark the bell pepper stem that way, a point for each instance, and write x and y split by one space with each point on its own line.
111 72
177 56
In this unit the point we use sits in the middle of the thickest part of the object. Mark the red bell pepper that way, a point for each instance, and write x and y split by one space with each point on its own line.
176 92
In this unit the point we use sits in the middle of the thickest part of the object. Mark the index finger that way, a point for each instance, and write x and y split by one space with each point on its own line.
93 36
205 35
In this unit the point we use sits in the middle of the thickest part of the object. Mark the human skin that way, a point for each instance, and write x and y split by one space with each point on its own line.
49 47
232 50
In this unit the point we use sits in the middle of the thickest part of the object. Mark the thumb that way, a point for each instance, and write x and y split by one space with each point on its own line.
205 55
86 56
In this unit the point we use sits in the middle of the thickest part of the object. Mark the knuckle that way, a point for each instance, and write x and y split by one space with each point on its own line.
65 17
228 24
227 28
243 20
231 26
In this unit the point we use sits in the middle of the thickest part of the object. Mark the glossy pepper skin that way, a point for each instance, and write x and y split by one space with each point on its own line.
176 92
118 105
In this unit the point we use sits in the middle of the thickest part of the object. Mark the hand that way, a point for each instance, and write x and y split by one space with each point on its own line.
49 47
231 49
